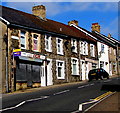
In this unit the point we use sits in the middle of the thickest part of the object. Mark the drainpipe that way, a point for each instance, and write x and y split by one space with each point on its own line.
46 70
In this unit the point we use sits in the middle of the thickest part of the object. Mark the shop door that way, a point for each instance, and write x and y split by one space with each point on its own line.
36 74
29 75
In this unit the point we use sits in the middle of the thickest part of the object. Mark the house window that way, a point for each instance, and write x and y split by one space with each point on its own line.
23 40
59 46
74 45
48 44
102 48
92 50
35 42
75 69
114 51
60 69
83 48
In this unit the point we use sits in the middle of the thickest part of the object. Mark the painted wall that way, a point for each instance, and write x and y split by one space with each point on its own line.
103 57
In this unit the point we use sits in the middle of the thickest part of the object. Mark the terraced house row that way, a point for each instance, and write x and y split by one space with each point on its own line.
36 51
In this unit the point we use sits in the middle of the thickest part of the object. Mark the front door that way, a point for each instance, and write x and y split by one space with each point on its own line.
49 72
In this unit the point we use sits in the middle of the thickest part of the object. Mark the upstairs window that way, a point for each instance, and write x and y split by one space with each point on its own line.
92 50
59 42
35 42
102 48
83 48
74 45
114 51
48 43
23 40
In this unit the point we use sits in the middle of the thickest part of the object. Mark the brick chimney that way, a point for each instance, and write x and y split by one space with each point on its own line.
109 35
75 22
95 27
40 11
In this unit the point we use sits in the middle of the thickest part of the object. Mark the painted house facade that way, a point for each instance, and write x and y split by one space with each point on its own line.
107 50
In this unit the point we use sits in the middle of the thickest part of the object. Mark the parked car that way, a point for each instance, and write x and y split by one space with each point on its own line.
98 73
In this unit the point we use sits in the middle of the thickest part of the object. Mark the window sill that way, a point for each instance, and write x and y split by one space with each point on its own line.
75 75
60 78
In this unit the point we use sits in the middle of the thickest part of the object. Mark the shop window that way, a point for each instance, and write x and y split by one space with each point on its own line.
59 42
23 40
21 72
48 43
60 69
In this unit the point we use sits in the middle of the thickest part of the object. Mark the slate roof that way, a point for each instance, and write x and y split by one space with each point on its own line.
31 21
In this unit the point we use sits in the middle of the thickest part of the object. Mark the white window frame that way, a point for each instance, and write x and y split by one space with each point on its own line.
81 47
77 66
60 46
92 53
74 44
37 42
23 35
62 69
48 39
114 50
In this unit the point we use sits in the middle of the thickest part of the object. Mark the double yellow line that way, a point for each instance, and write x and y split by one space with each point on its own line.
103 96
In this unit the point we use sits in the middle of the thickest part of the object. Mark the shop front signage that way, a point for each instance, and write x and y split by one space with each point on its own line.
16 52
32 56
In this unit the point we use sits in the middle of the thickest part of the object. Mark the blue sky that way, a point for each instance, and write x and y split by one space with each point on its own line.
86 13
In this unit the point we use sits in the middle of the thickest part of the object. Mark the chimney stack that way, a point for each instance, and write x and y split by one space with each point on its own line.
39 11
75 22
96 27
109 35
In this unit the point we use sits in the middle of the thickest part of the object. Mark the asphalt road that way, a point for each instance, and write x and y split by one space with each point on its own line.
63 98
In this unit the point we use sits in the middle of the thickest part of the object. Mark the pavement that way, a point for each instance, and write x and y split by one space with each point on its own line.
110 105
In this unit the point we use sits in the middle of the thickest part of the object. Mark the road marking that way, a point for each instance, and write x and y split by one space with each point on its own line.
98 102
61 92
81 87
44 97
107 81
23 102
103 95
87 85
91 84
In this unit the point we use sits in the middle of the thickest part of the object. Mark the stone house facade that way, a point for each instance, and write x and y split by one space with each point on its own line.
37 51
